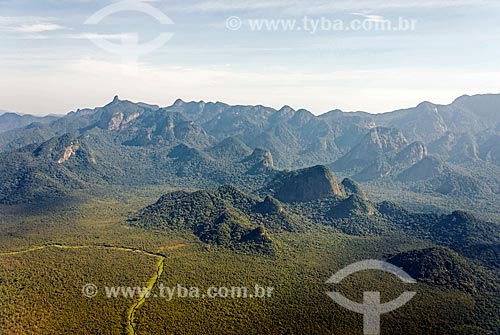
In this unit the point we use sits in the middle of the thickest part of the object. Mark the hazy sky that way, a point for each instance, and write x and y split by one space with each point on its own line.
49 65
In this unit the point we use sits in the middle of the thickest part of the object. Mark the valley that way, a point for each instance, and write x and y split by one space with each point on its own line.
207 194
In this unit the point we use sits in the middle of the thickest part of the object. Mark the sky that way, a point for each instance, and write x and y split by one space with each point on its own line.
319 55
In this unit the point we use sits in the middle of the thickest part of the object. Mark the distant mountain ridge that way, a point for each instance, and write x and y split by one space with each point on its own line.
296 136
431 148
10 121
281 196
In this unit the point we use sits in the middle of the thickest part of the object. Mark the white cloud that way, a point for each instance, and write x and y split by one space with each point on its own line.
28 24
38 28
325 7
371 17
226 6
83 36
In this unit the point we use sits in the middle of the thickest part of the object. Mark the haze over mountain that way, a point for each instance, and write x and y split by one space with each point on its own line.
266 187
443 150
218 161
10 121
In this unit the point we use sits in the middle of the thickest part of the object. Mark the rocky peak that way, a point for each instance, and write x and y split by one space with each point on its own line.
59 149
378 142
258 235
270 205
286 110
351 187
412 154
178 103
68 152
260 160
116 101
301 118
428 167
354 205
264 156
306 184
386 139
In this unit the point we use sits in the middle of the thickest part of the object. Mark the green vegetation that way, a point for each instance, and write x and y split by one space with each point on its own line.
42 290
137 195
304 260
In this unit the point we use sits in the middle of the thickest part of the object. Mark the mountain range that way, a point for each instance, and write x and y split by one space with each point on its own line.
434 150
231 218
242 188
10 121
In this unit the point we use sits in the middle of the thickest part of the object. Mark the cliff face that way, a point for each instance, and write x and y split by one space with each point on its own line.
261 158
412 154
428 167
259 161
305 185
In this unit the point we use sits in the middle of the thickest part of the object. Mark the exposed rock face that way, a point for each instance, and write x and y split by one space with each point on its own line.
258 235
119 122
163 127
264 157
444 145
44 172
378 142
186 130
427 168
386 139
466 149
387 165
424 122
270 205
412 154
353 206
59 149
260 160
117 115
381 140
179 103
115 122
351 187
70 151
305 185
